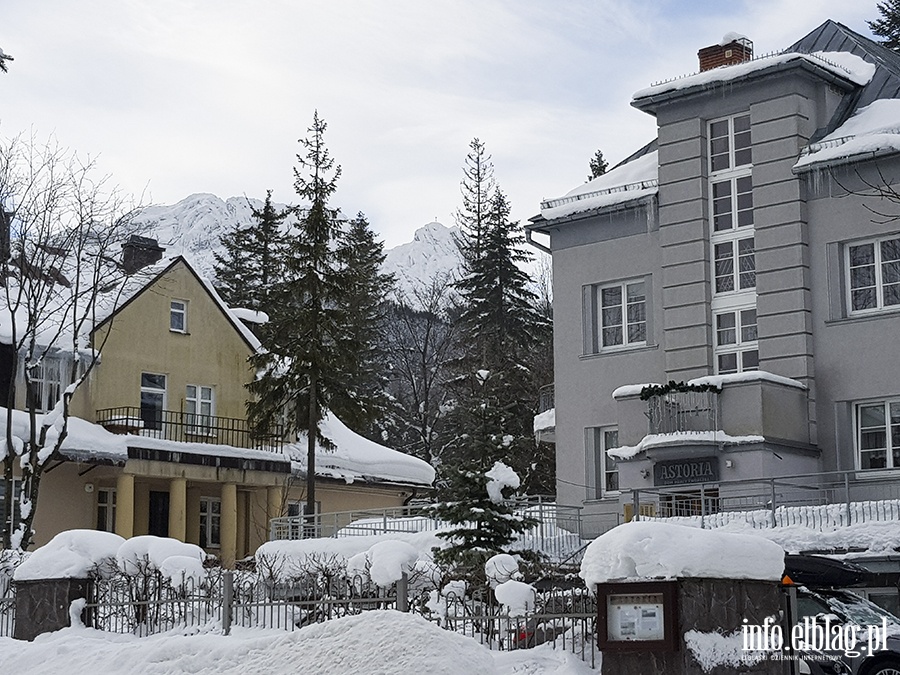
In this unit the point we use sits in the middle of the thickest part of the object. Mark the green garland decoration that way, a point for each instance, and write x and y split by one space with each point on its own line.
652 390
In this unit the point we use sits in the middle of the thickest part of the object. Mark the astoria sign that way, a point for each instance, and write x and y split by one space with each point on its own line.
681 471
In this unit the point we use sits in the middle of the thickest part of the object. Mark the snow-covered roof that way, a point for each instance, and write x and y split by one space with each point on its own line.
873 130
355 458
650 550
843 64
358 459
626 182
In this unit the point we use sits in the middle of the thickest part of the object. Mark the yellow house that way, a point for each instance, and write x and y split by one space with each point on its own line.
173 455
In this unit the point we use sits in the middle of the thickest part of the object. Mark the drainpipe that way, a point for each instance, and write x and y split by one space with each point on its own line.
539 246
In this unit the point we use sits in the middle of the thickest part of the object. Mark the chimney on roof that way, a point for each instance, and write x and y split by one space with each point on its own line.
138 252
733 48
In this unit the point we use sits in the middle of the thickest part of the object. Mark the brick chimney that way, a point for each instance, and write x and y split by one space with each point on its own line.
733 48
138 252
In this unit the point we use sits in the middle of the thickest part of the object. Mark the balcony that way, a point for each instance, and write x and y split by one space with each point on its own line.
545 420
683 411
185 427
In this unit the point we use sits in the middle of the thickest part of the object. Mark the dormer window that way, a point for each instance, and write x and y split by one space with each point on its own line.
178 316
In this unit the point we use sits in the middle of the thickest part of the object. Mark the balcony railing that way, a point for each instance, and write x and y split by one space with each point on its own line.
680 411
185 427
546 402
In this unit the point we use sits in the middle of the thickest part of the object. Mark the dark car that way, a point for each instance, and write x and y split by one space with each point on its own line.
823 600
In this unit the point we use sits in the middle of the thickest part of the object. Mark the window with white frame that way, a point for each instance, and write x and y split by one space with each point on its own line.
617 317
199 405
46 383
735 265
736 346
210 522
732 246
178 316
106 509
873 275
298 508
602 470
17 492
153 400
878 435
729 143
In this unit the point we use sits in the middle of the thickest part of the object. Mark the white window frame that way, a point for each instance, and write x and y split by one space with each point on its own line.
210 513
745 341
738 275
879 265
200 408
15 513
596 342
106 509
890 447
47 383
178 314
601 468
147 389
730 139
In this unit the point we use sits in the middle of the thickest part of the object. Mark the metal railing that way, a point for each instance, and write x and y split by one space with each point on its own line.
147 604
188 427
546 398
680 411
7 606
820 501
557 532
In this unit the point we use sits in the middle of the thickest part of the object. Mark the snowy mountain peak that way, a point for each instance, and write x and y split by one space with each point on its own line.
195 224
432 254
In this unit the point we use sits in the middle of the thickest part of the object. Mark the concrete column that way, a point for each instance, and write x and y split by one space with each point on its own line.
274 502
242 524
177 508
125 505
141 508
228 524
192 526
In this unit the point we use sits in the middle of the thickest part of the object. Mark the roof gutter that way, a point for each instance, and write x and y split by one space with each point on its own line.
538 245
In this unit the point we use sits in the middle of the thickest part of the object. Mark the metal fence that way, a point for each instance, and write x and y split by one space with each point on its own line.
7 606
821 501
681 411
556 533
149 603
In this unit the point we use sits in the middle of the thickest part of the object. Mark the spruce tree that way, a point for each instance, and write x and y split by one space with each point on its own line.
495 391
308 358
888 26
477 188
251 262
363 406
598 165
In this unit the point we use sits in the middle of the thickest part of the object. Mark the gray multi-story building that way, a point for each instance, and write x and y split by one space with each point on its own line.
746 264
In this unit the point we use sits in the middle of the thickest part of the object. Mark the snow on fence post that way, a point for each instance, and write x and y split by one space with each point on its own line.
702 505
227 600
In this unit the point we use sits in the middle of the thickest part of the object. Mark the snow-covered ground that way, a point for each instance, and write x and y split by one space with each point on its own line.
372 643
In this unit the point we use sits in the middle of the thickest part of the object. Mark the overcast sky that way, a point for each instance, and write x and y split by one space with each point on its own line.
175 97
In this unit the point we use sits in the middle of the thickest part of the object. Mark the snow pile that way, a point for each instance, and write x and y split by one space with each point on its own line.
714 649
624 183
70 555
653 550
516 597
385 562
135 554
500 477
357 458
285 559
872 129
382 642
545 420
501 568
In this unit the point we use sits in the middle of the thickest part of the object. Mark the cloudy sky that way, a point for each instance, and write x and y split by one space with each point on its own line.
175 97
